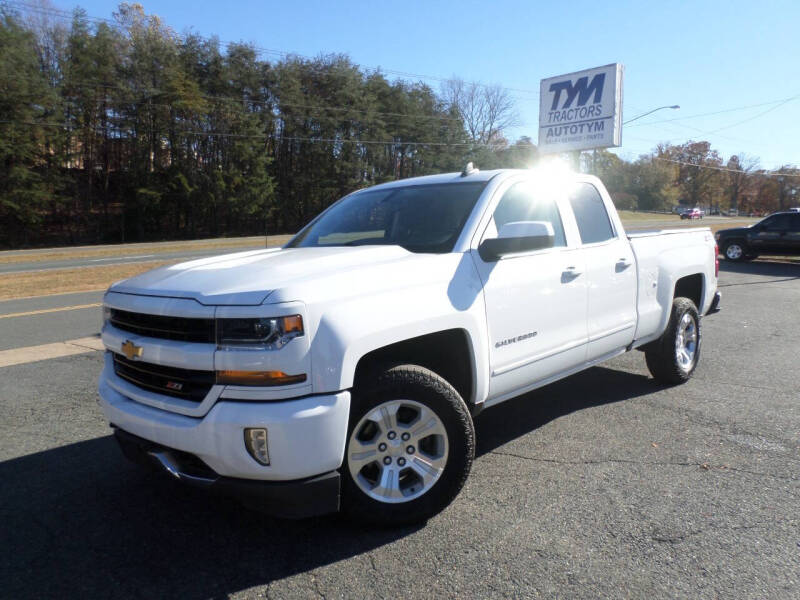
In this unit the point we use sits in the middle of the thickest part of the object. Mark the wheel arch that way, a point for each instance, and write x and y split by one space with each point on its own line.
448 353
692 287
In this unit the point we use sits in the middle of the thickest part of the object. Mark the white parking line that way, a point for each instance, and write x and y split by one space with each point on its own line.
29 354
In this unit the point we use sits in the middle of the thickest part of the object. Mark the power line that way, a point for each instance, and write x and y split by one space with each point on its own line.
715 132
269 51
763 173
272 105
716 112
262 136
677 136
372 142
673 123
761 114
63 14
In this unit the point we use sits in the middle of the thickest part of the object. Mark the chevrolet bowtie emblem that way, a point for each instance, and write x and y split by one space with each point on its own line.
131 350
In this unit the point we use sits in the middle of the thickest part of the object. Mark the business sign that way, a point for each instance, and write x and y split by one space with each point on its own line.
582 110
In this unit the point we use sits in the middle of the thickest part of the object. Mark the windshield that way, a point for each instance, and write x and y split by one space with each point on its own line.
420 218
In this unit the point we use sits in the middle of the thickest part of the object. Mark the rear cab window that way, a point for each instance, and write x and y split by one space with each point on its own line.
591 216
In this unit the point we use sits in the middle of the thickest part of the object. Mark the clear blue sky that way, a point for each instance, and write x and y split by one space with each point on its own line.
705 56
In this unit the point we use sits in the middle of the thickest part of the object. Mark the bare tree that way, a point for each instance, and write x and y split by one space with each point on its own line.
486 110
50 34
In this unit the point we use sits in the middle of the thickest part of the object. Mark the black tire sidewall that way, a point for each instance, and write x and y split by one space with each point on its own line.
416 383
662 359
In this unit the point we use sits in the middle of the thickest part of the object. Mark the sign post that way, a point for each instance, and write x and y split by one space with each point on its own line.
582 110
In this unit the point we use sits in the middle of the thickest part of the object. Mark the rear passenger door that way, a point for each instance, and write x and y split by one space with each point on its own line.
788 230
610 272
793 235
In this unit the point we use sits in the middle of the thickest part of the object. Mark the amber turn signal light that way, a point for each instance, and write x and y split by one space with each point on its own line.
258 378
293 324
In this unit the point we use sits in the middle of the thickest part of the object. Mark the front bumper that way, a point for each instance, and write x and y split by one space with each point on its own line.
306 436
288 499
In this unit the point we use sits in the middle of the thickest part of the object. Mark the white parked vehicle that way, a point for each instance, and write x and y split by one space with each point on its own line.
343 370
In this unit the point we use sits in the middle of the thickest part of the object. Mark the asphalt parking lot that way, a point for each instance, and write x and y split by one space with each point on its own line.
602 485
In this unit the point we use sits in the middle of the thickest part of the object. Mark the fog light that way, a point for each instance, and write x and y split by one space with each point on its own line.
255 440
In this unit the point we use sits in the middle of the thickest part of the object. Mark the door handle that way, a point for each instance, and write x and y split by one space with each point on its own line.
569 274
622 264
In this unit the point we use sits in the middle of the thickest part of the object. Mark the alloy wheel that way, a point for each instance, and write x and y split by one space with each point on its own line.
397 451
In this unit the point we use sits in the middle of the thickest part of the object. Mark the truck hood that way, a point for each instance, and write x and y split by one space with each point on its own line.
733 231
248 278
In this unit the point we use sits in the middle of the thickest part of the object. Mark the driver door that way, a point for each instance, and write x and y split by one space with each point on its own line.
773 235
536 301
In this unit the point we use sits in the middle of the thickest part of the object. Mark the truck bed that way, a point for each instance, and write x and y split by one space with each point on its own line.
662 257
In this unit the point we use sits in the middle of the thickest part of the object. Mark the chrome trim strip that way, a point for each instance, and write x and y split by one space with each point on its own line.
603 334
168 353
538 357
167 462
159 305
548 380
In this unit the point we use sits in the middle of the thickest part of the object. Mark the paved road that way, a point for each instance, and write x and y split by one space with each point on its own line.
602 485
25 323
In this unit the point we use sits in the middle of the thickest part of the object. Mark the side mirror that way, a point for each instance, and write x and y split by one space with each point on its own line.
521 236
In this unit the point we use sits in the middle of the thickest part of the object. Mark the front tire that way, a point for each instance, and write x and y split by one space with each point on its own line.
673 358
410 447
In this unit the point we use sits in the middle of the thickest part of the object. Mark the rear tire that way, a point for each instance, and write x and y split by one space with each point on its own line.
410 447
734 251
673 357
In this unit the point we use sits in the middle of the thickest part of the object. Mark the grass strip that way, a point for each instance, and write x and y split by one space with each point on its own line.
51 254
64 281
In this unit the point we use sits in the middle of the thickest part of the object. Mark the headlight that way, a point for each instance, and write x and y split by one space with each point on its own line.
106 316
263 334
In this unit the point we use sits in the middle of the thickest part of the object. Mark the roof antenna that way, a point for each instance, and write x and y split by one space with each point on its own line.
470 169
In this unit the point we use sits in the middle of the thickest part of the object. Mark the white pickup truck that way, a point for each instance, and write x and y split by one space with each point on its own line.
343 370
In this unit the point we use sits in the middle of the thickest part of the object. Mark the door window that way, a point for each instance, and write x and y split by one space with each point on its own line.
778 223
590 213
522 202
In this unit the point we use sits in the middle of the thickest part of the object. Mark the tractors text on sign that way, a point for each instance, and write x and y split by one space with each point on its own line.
582 110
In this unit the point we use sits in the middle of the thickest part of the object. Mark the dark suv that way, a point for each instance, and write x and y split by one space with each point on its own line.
778 234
